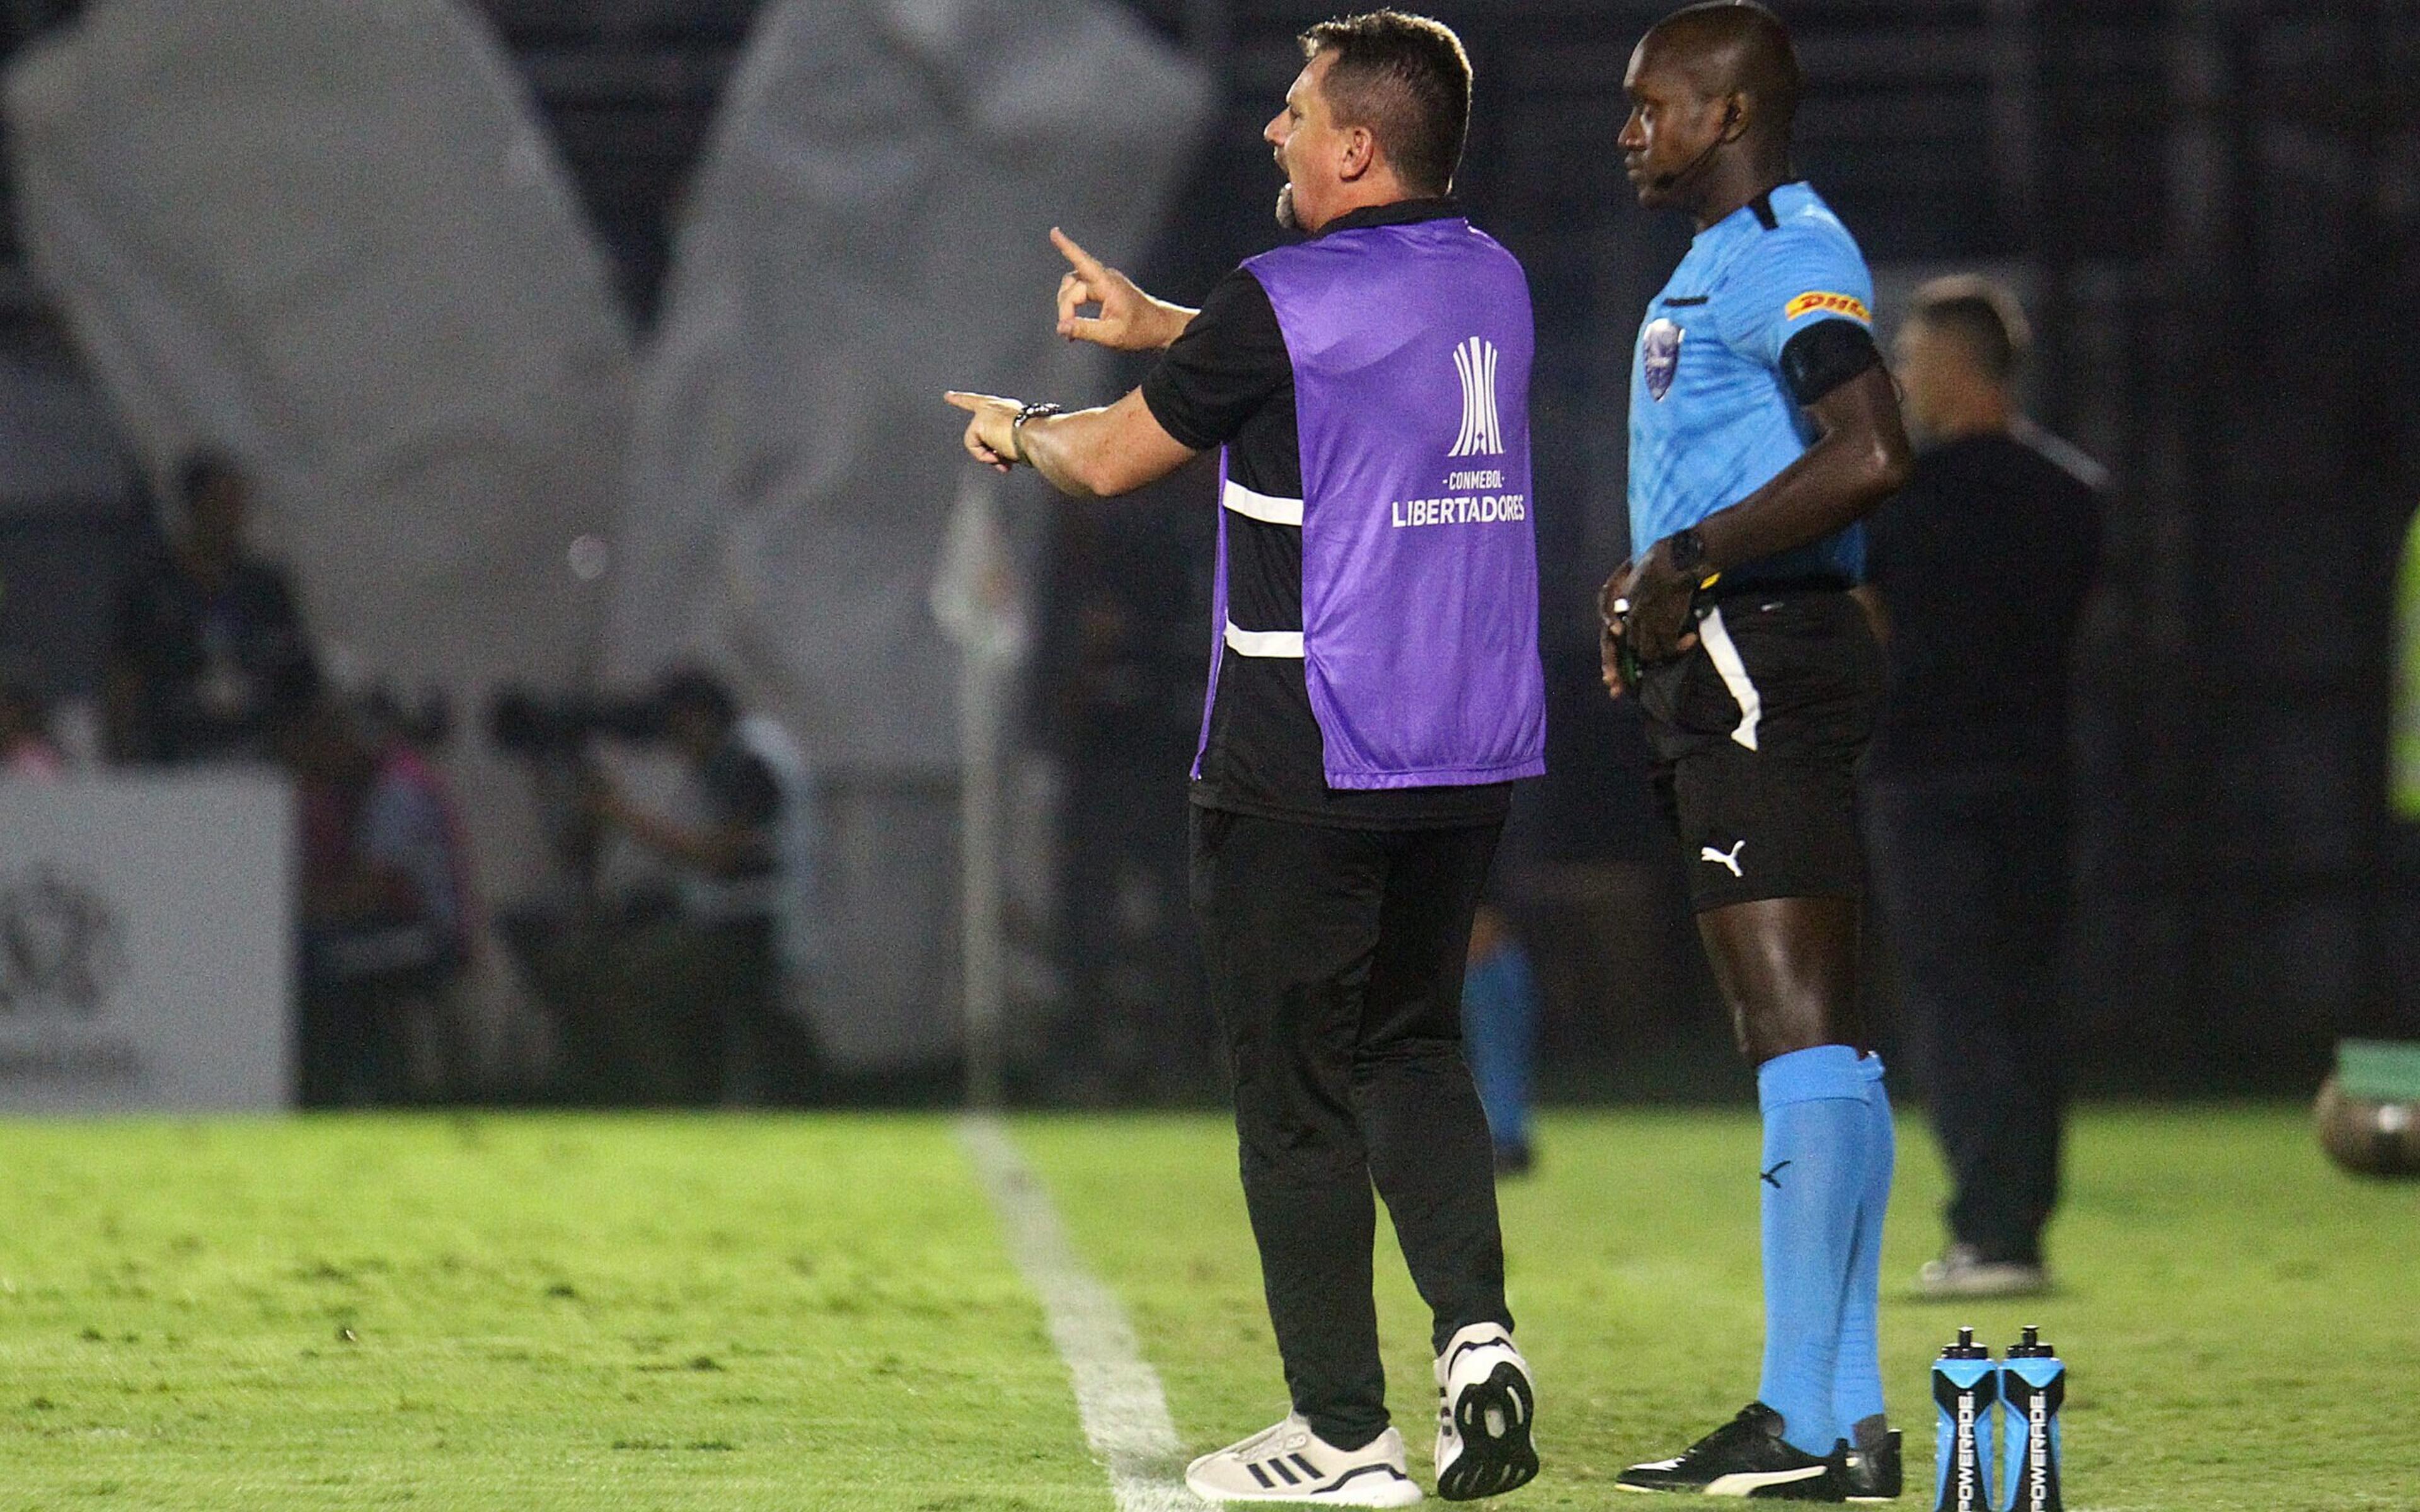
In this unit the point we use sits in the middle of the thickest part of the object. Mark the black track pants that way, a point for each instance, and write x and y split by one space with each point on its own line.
1335 964
1972 868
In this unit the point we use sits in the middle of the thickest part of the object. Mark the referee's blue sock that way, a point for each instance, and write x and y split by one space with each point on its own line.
1857 1379
1816 1137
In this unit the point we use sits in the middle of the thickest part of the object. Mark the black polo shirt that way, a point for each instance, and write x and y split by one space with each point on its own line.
1983 563
1229 381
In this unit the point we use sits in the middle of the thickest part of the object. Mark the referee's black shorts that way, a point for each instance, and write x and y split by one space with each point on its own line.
1757 734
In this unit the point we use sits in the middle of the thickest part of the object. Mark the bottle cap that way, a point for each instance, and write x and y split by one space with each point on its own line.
1965 1349
2031 1347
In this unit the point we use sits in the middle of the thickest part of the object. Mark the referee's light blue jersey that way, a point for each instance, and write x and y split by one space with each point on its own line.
1711 418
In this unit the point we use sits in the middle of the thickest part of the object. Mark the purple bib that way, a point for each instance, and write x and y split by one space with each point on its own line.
1411 346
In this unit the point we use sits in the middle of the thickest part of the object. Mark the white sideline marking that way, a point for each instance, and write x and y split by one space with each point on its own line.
1117 1393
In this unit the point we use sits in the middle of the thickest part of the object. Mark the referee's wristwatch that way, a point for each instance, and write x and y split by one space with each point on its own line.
1686 549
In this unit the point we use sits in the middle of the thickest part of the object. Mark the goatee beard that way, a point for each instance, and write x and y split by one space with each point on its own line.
1286 219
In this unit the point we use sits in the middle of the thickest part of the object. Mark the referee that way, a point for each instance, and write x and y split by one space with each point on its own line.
1374 691
1762 426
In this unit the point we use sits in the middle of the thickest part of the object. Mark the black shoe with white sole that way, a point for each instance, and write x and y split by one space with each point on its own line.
1486 1405
1872 1471
1745 1457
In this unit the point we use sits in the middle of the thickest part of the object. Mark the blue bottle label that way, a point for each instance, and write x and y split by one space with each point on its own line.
1964 1392
2032 1390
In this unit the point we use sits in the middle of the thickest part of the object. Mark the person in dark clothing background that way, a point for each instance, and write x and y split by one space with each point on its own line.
386 912
1980 569
207 654
689 1008
1118 667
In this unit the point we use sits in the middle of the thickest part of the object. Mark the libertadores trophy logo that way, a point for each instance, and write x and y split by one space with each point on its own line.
1483 432
62 948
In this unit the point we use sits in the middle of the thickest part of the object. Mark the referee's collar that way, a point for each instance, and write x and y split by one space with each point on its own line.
1765 211
1401 212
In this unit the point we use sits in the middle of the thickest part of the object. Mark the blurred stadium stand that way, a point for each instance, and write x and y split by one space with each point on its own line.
629 87
70 509
21 23
2215 206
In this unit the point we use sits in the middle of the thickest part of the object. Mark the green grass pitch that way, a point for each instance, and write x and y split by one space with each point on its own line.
542 1312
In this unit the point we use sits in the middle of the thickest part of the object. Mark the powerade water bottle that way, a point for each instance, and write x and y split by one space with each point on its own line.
1965 1383
2032 1384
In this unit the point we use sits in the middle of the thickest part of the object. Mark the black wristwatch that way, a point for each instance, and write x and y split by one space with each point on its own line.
1030 412
1686 549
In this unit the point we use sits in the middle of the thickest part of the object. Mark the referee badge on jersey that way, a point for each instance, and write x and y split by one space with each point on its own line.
1660 348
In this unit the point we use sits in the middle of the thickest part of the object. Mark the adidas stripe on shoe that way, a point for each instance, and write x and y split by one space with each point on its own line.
1288 1463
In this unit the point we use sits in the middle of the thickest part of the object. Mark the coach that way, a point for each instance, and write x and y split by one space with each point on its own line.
1374 691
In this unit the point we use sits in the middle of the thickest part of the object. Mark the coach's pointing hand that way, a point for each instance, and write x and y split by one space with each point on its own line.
1130 320
991 435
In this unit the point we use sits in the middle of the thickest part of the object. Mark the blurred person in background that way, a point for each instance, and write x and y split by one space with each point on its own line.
1500 1034
697 1014
208 653
27 748
387 919
1979 569
1376 692
2403 801
1120 655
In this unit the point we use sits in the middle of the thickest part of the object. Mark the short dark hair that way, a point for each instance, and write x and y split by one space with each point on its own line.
1407 80
1983 316
199 469
1754 45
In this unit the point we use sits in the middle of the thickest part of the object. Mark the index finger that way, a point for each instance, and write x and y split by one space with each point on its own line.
1085 262
1075 292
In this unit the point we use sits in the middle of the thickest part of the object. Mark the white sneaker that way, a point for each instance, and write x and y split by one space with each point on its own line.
1485 1405
1290 1463
1963 1273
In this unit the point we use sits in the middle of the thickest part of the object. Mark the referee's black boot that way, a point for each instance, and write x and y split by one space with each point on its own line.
1746 1457
1872 1470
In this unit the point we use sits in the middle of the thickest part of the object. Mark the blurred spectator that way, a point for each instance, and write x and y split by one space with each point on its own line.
697 1013
386 911
1120 655
2403 767
2403 805
207 652
1981 567
26 750
1499 1034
